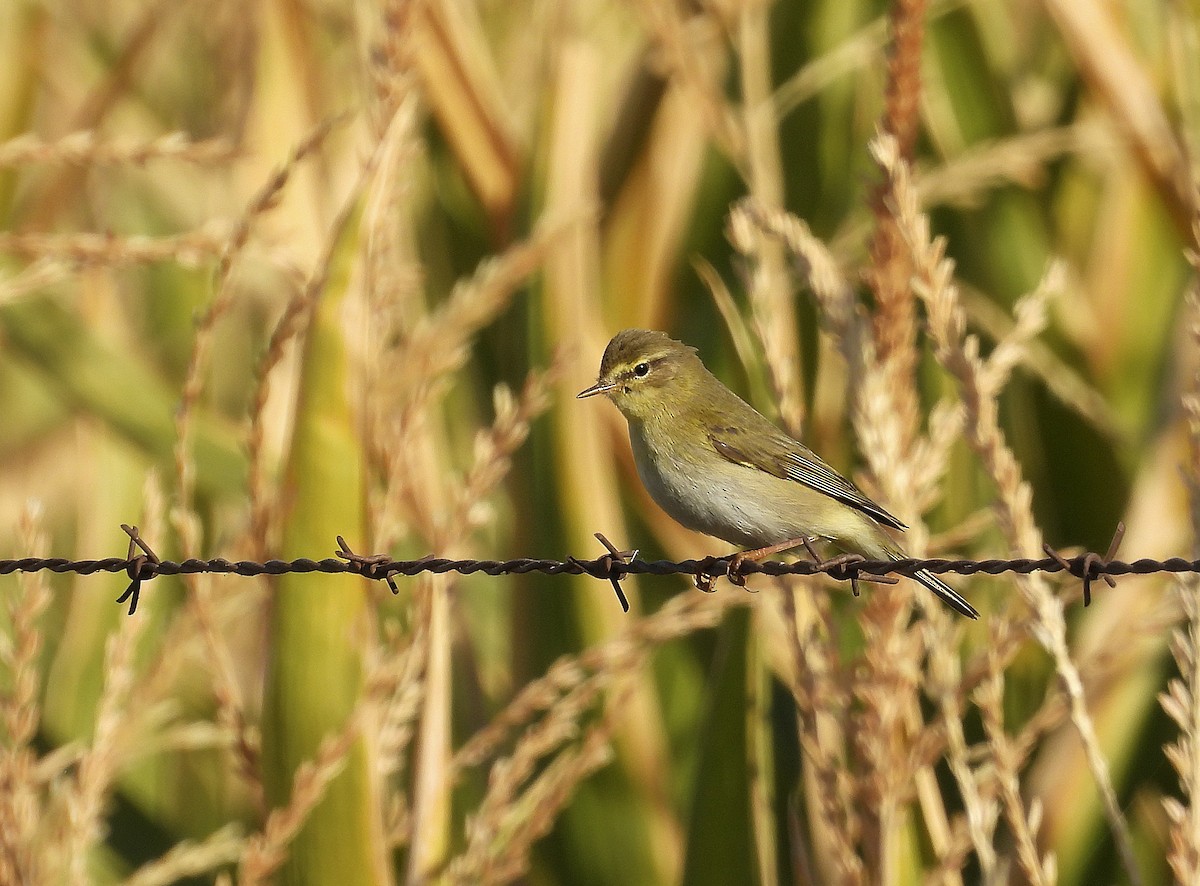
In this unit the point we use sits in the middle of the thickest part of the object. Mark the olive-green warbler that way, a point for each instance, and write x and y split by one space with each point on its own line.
717 466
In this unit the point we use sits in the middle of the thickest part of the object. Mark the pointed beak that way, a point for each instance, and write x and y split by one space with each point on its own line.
598 388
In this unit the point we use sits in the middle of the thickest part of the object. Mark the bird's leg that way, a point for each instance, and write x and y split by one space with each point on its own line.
734 570
844 560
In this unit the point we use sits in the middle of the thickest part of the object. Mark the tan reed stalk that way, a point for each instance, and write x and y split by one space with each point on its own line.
583 451
460 80
958 353
1108 64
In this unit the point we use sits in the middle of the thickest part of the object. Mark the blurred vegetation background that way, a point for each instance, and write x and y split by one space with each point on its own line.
275 272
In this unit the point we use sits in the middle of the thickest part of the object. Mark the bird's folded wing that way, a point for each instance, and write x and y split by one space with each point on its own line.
780 455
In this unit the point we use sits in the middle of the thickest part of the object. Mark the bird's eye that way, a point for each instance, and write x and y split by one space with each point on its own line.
641 370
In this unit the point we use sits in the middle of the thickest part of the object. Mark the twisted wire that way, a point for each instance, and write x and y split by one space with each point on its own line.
141 564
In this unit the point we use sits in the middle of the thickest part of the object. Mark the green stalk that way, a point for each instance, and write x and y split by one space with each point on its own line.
318 627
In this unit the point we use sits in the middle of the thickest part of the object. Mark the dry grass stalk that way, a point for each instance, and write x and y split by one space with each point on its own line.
834 293
89 148
291 324
959 354
1023 823
494 449
262 202
494 815
399 708
39 274
189 249
191 858
686 52
679 617
87 793
1122 81
1181 701
770 289
894 320
502 832
231 712
821 715
414 372
980 814
267 850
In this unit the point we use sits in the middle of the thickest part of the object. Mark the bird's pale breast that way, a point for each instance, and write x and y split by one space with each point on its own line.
742 505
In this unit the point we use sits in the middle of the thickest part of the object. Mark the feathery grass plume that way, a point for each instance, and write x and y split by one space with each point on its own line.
817 267
402 666
90 148
21 801
1023 823
959 354
894 320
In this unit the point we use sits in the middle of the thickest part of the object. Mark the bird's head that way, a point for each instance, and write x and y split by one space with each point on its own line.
648 374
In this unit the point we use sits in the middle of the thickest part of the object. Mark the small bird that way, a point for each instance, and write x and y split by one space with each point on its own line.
717 466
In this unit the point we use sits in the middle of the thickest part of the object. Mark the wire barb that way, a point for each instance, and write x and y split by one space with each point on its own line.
141 568
613 566
1091 565
371 566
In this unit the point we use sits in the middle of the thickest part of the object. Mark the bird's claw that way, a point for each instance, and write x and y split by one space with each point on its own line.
734 571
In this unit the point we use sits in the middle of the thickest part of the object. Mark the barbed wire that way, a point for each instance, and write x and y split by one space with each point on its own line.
141 564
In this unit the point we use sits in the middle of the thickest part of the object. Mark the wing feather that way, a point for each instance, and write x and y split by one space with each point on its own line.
780 455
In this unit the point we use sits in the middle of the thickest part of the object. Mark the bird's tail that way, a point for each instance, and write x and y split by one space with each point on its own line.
949 596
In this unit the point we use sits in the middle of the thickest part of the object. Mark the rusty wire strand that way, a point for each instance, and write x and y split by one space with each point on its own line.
612 566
